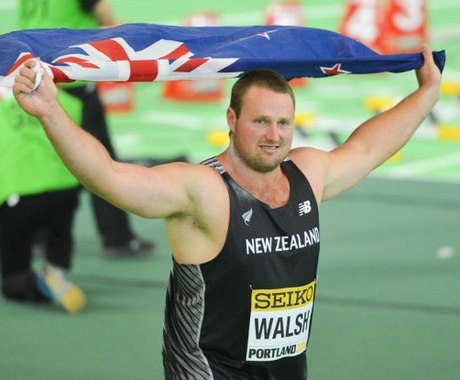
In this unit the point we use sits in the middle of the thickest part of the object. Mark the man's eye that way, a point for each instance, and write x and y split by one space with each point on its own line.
284 123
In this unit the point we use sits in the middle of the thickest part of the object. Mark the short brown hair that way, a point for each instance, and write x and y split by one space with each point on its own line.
265 78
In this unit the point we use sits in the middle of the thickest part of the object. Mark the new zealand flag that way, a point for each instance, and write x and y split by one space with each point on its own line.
147 52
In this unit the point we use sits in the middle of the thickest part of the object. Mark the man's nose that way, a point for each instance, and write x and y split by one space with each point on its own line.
272 132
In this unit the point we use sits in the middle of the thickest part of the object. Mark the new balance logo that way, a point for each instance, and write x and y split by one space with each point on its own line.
304 208
247 217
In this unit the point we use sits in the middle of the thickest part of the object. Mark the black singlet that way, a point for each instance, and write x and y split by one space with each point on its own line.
247 313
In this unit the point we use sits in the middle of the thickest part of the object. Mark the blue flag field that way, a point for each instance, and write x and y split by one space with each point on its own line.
148 52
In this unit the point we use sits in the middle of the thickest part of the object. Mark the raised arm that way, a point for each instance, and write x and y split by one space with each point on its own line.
150 192
376 140
185 195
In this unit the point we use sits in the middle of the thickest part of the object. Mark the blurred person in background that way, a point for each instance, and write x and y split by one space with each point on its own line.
118 238
37 193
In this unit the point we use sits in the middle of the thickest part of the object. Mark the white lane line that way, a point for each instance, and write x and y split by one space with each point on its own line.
446 180
182 120
419 167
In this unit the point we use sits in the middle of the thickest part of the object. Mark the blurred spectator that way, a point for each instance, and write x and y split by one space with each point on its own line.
118 238
37 192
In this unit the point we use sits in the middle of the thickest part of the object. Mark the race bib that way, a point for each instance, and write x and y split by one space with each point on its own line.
280 322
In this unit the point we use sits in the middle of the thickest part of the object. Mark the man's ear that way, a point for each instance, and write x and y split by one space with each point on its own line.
231 118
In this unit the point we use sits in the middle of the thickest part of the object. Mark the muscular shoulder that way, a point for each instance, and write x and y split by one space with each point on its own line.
313 163
206 187
198 234
199 177
191 186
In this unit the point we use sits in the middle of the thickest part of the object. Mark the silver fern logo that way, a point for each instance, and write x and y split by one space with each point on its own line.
247 217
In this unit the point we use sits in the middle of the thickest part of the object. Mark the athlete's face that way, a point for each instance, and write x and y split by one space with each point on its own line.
262 134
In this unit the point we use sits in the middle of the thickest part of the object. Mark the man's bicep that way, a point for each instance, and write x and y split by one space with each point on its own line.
155 192
345 166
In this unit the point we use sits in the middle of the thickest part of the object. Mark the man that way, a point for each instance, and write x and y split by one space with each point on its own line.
118 239
244 227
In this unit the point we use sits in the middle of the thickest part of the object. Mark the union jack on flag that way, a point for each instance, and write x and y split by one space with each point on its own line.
148 52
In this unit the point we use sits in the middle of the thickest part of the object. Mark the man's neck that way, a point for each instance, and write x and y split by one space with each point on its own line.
270 187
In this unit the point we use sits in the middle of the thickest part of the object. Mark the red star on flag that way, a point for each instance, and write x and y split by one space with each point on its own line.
334 70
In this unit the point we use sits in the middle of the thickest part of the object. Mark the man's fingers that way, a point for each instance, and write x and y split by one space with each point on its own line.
21 87
34 70
26 79
427 53
30 74
31 63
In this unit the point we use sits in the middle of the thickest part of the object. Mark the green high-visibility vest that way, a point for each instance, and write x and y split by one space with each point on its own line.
39 14
28 162
36 14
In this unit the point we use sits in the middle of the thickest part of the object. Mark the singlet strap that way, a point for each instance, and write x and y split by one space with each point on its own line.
215 164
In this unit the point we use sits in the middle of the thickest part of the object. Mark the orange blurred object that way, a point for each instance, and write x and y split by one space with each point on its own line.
208 90
389 27
117 97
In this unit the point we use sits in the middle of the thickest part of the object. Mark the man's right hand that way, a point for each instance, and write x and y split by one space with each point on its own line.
40 102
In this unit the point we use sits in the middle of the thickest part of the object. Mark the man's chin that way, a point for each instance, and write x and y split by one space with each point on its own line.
265 166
